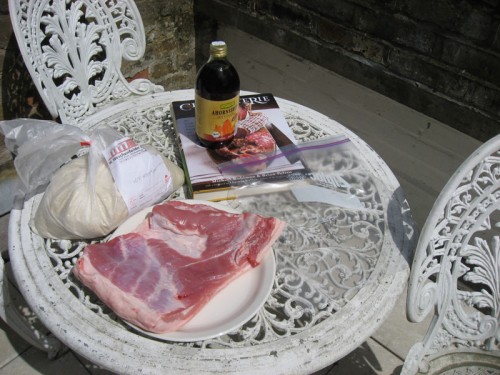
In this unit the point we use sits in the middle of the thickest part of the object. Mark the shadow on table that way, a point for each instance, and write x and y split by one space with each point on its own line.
20 97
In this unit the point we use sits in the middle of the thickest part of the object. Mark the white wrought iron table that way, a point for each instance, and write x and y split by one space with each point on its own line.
339 272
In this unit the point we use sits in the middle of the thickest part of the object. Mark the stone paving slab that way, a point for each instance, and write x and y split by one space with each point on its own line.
35 362
11 345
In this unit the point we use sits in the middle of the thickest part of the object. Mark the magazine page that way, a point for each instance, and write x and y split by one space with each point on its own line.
262 130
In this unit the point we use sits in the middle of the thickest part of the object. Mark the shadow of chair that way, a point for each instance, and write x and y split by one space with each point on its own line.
20 97
456 273
73 51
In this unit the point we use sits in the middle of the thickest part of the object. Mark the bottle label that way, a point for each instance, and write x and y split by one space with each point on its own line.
216 120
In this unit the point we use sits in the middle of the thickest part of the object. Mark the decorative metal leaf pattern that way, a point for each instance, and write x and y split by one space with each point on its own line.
457 271
73 50
485 262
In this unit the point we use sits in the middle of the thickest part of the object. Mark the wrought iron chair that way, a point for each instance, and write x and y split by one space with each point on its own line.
456 273
73 50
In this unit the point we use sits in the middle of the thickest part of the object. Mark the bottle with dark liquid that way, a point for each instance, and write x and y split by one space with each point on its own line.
217 93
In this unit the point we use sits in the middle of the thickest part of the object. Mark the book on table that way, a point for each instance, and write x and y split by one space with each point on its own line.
254 162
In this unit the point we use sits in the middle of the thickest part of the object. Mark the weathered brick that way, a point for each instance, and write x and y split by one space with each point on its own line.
352 41
339 10
470 60
474 20
4 7
485 96
170 39
495 45
332 32
457 87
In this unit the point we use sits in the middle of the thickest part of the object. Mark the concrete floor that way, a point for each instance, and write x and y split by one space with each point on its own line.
422 152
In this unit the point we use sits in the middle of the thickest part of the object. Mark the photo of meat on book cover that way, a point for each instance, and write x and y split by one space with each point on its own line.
258 153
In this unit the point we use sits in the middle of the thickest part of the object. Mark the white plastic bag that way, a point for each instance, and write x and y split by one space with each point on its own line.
41 147
86 198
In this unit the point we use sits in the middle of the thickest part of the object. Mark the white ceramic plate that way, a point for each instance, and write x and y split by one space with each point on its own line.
234 305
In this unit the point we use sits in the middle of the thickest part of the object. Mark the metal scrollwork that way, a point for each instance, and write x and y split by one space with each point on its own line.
73 50
456 268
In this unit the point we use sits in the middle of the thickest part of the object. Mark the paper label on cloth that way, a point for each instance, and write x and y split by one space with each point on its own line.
141 177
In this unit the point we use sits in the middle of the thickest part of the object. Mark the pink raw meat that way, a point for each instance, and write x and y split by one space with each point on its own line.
160 275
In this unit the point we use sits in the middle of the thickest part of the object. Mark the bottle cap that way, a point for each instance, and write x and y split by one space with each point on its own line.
218 49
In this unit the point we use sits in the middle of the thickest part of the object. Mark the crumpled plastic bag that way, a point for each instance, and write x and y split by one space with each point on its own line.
41 147
82 199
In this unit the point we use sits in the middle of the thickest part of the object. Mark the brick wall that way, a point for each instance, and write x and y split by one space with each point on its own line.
170 43
440 57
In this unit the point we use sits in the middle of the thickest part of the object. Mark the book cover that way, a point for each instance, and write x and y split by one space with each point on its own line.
245 166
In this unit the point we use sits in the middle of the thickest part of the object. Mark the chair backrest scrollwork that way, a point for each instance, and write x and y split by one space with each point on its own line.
73 50
456 272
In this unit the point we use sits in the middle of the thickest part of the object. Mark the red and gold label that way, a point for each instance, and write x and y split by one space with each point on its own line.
216 120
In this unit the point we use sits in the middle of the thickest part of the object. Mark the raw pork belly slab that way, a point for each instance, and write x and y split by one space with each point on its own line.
160 275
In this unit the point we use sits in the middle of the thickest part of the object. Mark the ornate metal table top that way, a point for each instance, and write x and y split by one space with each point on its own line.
339 271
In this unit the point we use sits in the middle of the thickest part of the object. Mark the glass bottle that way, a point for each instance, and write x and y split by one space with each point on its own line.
217 93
